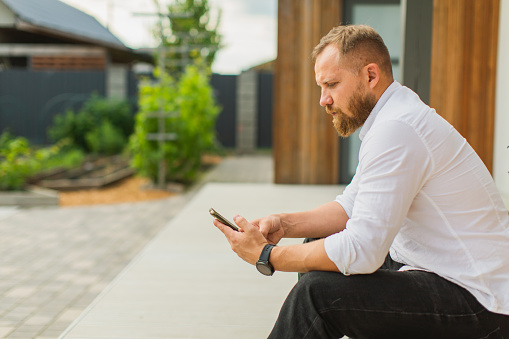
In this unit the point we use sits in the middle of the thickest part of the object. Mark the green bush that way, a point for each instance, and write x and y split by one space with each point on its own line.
67 157
18 161
192 97
79 127
106 139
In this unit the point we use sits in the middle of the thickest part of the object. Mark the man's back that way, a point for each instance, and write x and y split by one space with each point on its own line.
457 225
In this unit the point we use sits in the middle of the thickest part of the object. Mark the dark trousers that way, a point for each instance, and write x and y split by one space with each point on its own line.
385 304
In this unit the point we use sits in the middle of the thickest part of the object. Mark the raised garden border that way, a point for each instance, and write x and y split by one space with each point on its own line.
32 197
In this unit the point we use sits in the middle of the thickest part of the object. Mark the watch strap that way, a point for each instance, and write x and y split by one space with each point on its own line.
264 256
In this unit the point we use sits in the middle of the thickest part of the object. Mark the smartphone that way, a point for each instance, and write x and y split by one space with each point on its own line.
223 219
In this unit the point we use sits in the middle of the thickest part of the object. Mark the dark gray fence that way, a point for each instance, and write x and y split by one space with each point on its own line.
225 87
265 87
29 101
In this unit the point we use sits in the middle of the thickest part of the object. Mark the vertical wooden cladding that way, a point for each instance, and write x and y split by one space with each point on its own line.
305 142
463 69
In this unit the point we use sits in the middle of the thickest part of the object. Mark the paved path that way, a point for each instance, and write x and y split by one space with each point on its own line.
55 261
187 283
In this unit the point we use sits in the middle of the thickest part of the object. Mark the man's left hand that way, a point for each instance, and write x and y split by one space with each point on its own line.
248 243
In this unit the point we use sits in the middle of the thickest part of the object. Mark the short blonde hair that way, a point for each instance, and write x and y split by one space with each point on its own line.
359 44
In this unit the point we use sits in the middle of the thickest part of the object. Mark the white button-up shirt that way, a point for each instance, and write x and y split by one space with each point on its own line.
422 193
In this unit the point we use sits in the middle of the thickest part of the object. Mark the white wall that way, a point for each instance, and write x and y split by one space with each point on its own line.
116 81
7 18
501 151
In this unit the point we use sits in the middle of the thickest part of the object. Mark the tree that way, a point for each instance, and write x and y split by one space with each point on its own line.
188 34
192 97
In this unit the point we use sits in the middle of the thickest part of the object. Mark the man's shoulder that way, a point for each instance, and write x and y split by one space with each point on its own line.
406 107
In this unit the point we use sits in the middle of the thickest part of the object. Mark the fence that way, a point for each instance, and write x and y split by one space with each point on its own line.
29 101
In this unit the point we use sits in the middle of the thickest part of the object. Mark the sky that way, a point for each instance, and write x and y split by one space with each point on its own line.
249 27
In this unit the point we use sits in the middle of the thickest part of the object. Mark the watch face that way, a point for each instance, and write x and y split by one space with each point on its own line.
264 268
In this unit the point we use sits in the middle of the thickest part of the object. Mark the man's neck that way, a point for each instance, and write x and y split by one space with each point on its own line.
382 86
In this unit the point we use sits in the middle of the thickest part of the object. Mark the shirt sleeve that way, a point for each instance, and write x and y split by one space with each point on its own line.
347 198
393 166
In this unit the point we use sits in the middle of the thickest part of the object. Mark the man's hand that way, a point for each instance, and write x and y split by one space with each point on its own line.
248 243
271 228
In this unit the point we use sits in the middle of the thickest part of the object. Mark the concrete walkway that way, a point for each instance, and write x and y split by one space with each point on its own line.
186 283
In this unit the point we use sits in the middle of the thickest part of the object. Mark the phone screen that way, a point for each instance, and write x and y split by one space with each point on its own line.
223 219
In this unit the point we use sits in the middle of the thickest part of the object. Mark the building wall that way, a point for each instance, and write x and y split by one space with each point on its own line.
117 81
247 108
501 144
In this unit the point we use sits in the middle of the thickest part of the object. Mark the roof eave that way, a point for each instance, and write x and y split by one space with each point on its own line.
28 27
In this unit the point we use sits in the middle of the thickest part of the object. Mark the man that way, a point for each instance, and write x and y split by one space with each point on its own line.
417 246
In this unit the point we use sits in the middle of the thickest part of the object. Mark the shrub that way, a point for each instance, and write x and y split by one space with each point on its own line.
90 119
67 157
106 139
18 161
192 97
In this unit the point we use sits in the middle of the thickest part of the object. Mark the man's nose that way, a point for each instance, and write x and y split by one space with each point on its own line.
325 99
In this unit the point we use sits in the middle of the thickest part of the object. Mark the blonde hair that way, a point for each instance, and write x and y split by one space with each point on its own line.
359 45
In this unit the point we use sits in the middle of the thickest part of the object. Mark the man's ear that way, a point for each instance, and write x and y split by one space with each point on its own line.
373 73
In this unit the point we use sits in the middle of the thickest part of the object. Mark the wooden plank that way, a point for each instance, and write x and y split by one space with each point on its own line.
305 143
162 137
285 123
463 70
493 26
162 114
331 13
307 130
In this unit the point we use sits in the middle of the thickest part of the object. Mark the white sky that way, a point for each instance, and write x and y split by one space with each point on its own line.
249 28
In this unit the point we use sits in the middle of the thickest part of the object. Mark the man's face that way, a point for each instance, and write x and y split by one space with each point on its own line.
344 95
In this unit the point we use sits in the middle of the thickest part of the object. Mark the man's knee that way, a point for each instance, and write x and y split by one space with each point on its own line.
318 285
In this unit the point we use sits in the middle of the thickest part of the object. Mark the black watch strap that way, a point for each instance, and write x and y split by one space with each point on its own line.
265 255
263 265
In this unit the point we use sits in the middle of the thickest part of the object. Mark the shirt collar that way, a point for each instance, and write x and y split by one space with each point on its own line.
380 103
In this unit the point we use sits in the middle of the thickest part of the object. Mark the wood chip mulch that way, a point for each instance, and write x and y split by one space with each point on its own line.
128 190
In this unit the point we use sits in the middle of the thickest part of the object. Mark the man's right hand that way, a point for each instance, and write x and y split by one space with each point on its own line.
271 227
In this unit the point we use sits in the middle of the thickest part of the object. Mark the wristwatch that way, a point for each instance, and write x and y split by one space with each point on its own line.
263 265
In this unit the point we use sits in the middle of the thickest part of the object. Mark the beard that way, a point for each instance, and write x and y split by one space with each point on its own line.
360 106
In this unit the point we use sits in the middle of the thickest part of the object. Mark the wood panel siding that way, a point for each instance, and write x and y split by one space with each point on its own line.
305 143
463 69
67 63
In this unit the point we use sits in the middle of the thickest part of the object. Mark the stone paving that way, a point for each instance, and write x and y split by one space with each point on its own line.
55 261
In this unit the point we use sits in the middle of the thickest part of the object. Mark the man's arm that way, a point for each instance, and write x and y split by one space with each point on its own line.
302 258
320 222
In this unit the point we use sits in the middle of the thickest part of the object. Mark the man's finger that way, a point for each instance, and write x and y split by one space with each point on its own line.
265 225
243 223
223 228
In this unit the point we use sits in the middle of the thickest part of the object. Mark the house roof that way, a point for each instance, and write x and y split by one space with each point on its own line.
60 18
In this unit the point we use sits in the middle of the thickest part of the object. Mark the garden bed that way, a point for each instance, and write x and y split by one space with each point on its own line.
98 181
94 173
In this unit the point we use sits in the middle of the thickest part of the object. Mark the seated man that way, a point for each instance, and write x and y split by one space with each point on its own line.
417 246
